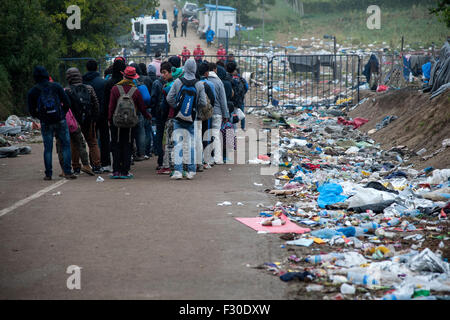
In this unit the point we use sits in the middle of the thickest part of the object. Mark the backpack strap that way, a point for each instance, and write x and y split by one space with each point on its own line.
121 91
131 92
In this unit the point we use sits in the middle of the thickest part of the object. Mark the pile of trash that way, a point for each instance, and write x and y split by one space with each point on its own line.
15 131
379 228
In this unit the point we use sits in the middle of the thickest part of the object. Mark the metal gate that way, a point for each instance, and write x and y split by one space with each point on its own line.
300 80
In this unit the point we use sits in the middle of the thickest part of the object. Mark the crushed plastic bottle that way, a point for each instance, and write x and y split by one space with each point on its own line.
361 278
323 258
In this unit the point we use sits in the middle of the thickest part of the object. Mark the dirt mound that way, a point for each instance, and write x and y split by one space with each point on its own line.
422 123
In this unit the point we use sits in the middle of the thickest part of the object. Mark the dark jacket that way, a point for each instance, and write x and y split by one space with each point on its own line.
157 97
227 83
41 77
94 79
74 78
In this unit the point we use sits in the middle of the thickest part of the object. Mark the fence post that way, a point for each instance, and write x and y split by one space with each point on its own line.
359 66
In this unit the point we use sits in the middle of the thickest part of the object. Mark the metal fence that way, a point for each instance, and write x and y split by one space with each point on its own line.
314 79
301 80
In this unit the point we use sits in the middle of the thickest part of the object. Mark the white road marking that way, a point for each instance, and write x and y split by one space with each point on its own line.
32 197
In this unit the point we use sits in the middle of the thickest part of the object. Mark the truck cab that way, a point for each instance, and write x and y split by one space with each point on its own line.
157 29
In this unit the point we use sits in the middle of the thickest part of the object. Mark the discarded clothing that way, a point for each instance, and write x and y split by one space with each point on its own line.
302 276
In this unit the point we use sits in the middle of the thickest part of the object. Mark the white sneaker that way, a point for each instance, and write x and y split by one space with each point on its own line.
107 169
177 175
190 175
207 166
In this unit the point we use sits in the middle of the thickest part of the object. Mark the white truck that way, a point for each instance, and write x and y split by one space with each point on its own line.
159 31
135 31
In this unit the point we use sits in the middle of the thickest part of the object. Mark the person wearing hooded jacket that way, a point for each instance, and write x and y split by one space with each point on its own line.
50 129
179 127
170 74
93 78
88 127
221 113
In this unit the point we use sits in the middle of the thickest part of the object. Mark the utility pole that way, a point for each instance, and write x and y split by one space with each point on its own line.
263 23
217 11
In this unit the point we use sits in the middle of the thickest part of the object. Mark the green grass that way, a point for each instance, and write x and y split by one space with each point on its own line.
419 28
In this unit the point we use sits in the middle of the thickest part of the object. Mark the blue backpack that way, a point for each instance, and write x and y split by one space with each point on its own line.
186 108
49 105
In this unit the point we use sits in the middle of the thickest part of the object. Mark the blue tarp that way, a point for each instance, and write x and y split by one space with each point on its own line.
330 193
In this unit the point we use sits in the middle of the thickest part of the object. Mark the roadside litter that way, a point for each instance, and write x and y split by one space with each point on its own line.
364 223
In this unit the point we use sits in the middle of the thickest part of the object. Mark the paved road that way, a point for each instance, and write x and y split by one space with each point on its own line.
192 39
147 238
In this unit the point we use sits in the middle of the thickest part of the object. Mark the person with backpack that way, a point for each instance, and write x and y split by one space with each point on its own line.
167 113
124 102
85 108
220 114
175 27
240 93
204 116
49 103
140 138
184 25
186 96
93 78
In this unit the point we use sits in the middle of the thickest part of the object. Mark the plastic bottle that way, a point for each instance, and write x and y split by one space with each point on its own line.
353 231
397 297
323 258
369 225
361 278
394 222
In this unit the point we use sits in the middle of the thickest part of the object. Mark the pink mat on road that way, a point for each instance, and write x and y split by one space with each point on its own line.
289 227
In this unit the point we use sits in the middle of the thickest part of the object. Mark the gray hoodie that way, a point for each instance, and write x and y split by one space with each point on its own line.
220 105
189 74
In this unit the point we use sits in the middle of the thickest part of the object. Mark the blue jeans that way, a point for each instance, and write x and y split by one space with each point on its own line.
184 148
61 131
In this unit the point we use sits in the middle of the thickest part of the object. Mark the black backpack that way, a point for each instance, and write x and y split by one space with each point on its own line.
81 98
49 105
239 92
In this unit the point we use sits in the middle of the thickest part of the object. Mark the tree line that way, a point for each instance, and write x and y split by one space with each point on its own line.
34 32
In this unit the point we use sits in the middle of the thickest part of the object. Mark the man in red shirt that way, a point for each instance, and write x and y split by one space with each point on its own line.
221 53
199 54
185 54
121 138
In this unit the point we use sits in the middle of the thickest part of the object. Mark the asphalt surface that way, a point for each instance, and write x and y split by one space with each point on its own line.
147 238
